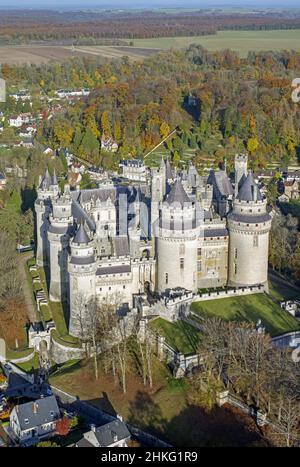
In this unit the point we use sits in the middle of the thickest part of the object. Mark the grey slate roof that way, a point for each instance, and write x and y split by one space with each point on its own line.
249 219
81 215
46 411
81 260
81 235
249 189
215 233
178 194
119 269
121 246
169 171
46 180
110 433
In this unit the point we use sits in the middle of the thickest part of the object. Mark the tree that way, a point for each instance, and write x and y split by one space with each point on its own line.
105 124
62 426
252 145
47 444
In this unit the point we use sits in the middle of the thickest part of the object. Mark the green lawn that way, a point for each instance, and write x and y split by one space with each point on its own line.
241 41
180 336
249 308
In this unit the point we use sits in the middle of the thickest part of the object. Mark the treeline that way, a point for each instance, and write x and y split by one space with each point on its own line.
239 104
137 25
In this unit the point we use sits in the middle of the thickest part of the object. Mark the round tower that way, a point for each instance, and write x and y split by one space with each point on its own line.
249 225
82 276
177 240
59 232
48 189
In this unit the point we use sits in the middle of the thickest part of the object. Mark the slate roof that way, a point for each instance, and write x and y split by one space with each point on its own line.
109 434
118 269
223 183
249 190
169 171
81 235
178 194
82 216
249 219
215 233
46 411
81 260
121 246
46 180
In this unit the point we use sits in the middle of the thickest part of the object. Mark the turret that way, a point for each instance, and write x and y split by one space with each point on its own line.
176 242
47 191
82 275
59 232
249 225
240 170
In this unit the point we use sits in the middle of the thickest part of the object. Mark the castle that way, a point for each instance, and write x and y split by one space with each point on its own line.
170 230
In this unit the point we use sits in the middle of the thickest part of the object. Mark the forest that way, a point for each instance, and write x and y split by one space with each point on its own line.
33 26
238 104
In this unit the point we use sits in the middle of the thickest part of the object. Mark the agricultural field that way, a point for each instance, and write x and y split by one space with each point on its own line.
249 308
240 41
36 55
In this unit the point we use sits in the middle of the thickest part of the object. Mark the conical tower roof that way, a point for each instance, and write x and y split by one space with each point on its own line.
169 171
54 178
178 194
46 180
249 190
81 235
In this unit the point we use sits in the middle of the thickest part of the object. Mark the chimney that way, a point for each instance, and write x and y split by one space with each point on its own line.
93 428
35 407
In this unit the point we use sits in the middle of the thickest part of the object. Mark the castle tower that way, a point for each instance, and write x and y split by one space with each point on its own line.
249 225
158 191
82 275
60 229
176 243
48 189
240 170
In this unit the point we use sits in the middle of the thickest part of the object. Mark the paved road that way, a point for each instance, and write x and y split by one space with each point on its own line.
27 292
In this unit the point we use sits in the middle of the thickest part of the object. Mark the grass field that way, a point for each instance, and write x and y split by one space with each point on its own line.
180 336
166 410
241 41
249 308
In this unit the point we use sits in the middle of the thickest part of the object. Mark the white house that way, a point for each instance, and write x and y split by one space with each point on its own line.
19 120
112 435
34 421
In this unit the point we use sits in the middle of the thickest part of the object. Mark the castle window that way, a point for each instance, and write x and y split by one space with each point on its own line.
181 263
167 278
199 251
235 269
235 253
124 286
199 266
255 241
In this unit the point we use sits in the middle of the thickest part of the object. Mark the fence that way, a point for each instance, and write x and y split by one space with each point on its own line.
99 417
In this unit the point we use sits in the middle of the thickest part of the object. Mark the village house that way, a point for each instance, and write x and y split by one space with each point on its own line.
2 181
112 435
289 189
34 421
108 144
18 120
